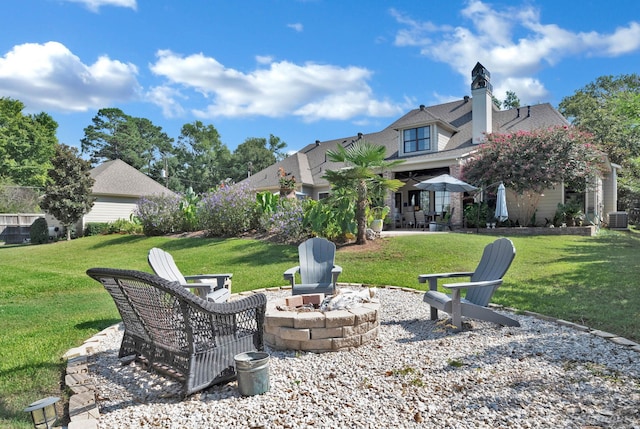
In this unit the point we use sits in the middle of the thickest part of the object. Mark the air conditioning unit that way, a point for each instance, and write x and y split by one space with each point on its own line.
618 220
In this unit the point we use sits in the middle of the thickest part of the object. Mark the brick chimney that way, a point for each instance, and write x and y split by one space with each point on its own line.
481 103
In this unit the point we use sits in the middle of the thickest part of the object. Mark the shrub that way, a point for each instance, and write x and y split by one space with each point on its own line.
228 211
95 228
285 222
39 232
123 226
159 214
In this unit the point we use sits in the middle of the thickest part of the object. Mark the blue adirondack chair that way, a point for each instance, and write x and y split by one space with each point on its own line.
484 281
213 287
317 270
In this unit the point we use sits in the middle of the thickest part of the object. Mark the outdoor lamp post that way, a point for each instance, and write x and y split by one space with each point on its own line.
43 412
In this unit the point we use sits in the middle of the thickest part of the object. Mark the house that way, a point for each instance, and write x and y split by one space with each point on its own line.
435 140
117 189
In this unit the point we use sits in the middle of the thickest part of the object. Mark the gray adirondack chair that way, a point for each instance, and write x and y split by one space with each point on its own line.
484 281
212 287
318 272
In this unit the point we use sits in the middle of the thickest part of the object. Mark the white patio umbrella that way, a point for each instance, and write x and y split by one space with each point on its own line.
502 213
445 183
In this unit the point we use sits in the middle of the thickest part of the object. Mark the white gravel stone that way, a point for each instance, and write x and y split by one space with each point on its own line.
417 374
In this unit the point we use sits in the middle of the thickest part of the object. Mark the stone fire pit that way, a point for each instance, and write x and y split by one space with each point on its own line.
288 326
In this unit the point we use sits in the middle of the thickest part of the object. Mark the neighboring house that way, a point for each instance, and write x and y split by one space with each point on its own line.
436 140
117 189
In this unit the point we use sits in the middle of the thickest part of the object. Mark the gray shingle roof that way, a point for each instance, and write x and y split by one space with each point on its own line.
118 178
309 164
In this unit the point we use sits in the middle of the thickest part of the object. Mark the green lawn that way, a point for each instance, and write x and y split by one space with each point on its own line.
48 304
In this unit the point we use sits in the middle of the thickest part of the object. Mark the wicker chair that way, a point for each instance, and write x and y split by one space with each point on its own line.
180 334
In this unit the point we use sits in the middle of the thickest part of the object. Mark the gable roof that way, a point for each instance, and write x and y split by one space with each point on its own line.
309 164
117 178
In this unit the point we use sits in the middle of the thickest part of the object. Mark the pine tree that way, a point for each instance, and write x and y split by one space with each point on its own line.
68 190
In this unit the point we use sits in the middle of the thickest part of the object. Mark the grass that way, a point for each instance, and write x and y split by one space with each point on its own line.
48 304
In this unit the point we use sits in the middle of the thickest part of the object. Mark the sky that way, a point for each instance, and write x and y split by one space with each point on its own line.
302 70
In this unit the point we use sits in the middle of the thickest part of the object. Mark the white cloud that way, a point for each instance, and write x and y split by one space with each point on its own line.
297 27
165 97
95 5
310 91
264 59
513 43
49 77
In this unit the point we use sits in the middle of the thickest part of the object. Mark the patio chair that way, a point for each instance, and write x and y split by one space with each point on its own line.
446 222
179 334
421 219
318 273
213 287
484 281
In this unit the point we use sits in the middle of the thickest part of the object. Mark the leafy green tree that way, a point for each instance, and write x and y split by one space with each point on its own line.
251 156
116 135
529 162
277 146
609 108
201 158
18 199
598 109
27 143
365 165
511 101
68 192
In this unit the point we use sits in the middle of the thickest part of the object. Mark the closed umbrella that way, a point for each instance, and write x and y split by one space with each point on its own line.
502 213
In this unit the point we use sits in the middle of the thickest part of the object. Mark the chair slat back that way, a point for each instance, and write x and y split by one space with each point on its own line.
496 260
164 266
316 256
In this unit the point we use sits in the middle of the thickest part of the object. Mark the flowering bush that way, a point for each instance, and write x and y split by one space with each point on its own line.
285 222
529 162
228 211
536 160
159 214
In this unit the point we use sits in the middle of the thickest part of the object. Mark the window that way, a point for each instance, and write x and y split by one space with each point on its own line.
442 201
417 139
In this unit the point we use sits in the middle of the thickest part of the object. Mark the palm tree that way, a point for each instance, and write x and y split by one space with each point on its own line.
365 164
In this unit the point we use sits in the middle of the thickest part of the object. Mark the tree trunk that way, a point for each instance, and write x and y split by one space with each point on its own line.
361 213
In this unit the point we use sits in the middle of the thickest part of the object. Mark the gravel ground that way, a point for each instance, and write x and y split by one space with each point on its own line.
416 374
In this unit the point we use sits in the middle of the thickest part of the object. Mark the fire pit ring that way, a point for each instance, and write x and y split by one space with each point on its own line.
317 331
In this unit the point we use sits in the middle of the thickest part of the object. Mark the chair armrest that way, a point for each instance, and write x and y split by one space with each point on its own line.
335 272
290 274
209 276
221 280
422 278
471 285
433 278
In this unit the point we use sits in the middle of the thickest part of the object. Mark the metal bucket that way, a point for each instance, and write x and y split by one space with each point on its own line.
252 369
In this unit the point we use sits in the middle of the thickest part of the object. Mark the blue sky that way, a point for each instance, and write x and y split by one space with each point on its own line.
302 70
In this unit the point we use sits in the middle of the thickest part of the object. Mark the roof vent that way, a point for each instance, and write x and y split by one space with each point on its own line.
466 98
317 142
518 115
528 111
422 107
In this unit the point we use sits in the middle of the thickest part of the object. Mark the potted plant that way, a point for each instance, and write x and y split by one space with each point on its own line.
570 213
287 183
377 215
